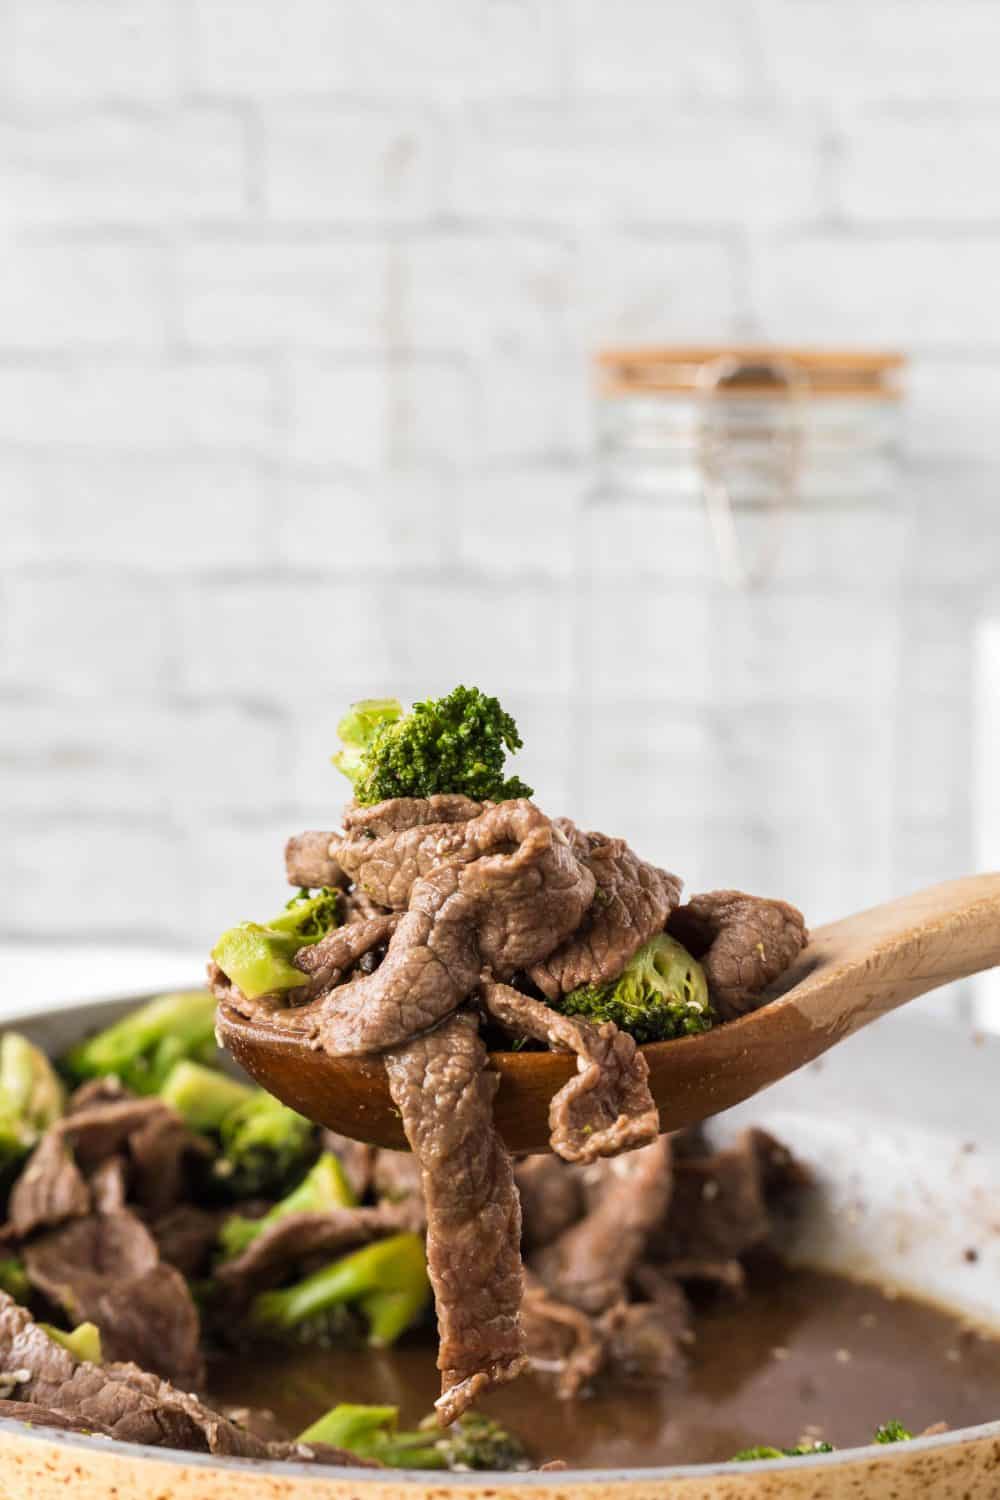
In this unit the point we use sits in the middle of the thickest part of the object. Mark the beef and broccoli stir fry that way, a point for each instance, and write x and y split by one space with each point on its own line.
460 906
158 1208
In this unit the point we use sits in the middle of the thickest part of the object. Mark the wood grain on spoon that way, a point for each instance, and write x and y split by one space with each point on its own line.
852 972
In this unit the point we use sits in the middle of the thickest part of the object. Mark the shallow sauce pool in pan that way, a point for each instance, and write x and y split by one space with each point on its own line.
806 1351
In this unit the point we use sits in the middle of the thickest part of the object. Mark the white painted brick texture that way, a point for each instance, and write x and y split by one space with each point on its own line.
296 308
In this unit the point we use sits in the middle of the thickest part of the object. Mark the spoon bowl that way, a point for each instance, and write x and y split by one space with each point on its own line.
852 972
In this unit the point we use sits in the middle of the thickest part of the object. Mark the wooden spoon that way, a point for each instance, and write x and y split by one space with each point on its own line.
852 972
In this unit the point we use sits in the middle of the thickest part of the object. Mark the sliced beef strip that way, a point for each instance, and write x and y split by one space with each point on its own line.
645 1341
186 1236
293 1241
105 1269
164 1152
50 1190
720 1207
124 1402
631 903
744 943
442 1087
503 908
607 1108
39 1416
551 1199
311 860
106 1090
325 963
590 1263
391 845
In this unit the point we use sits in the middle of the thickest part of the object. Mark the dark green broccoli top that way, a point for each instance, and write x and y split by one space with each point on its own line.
458 743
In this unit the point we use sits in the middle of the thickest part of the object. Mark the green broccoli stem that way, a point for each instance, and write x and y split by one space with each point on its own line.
323 1188
31 1095
14 1279
371 1432
142 1048
203 1097
392 1268
84 1343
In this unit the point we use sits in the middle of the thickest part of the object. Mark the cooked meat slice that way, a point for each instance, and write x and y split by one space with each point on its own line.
164 1152
607 1108
508 906
311 860
389 846
105 1269
152 1320
551 1199
561 1339
743 943
186 1236
589 1265
39 1416
122 1401
356 1158
106 1090
720 1207
631 903
297 1238
50 1190
325 963
442 1088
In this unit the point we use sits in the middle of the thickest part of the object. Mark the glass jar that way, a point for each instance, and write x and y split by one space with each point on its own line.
737 619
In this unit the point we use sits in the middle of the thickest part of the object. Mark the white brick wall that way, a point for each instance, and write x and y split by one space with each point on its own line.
296 303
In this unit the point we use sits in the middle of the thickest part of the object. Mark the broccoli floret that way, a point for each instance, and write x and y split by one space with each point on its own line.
454 744
203 1097
84 1343
323 1188
14 1279
801 1450
387 1283
473 1442
31 1097
892 1432
142 1048
661 993
258 957
264 1146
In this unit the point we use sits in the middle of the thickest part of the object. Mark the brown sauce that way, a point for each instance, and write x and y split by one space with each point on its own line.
806 1352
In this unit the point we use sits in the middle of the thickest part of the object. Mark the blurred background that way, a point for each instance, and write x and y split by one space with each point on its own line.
299 306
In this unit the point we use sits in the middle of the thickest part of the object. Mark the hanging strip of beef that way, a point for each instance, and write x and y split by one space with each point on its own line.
744 943
444 1092
632 901
607 1107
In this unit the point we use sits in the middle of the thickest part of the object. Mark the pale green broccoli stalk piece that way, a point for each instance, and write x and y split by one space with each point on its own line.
454 744
31 1096
14 1279
203 1097
142 1048
323 1188
358 728
801 1450
387 1282
661 993
264 1146
892 1432
257 957
473 1442
84 1343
